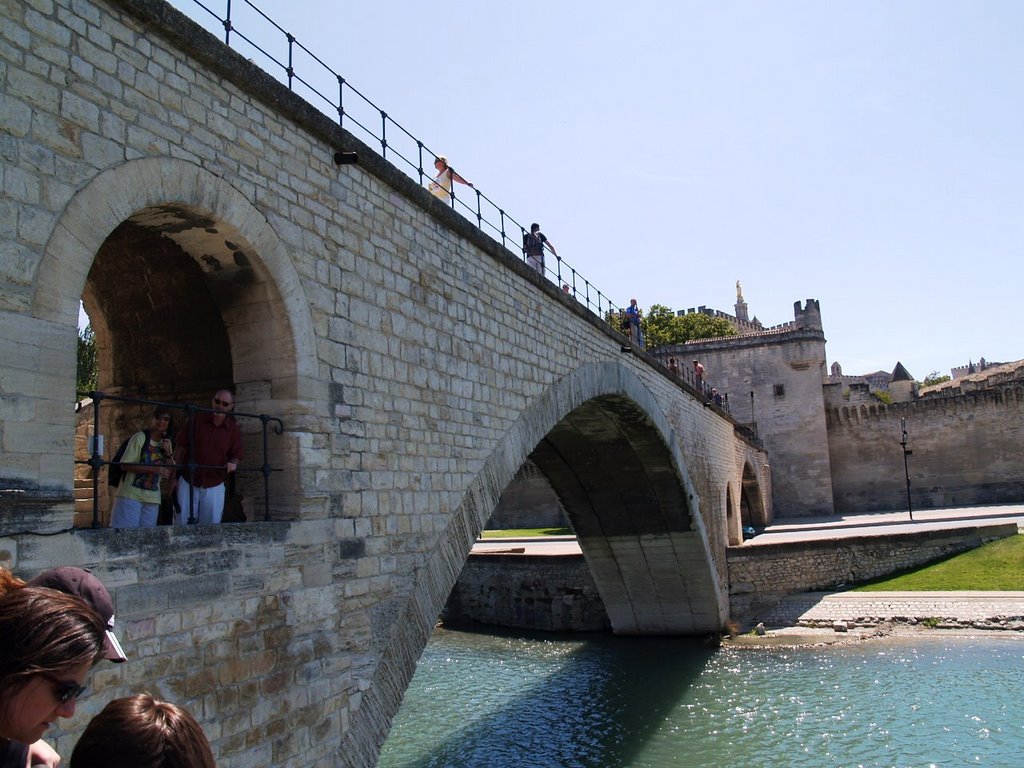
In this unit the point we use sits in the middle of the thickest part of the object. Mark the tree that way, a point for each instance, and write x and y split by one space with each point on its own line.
659 325
662 326
87 375
934 378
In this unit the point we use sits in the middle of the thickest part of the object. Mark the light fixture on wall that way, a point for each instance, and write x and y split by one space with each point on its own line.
345 158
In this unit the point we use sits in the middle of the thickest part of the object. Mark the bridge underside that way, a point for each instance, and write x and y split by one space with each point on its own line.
626 500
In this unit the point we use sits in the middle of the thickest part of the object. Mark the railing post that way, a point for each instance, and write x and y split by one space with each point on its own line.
266 469
383 134
227 25
500 211
290 70
190 413
341 100
96 457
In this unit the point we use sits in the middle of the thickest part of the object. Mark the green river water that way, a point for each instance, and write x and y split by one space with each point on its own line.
583 701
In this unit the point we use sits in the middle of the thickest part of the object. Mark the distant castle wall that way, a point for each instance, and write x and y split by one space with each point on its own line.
966 450
774 382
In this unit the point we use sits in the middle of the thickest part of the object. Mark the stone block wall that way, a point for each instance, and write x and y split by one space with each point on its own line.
554 594
784 371
965 451
528 502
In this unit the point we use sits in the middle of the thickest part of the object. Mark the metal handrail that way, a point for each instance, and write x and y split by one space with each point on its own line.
487 214
96 448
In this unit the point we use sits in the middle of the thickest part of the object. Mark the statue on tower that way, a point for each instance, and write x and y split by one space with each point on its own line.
739 292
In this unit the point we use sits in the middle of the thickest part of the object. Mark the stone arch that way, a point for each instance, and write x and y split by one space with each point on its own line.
163 246
691 599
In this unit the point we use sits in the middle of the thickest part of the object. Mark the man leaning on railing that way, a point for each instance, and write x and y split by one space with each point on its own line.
208 448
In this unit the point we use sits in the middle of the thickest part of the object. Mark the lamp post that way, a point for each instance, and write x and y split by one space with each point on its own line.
906 470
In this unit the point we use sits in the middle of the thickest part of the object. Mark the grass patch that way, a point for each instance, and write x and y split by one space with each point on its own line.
522 533
997 566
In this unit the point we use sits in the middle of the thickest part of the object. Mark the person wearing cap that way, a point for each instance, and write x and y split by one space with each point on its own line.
49 640
83 584
85 588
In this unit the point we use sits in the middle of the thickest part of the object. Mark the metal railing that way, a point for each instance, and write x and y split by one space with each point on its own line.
96 448
321 86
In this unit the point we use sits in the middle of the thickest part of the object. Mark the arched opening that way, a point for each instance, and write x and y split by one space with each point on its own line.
751 504
180 308
184 297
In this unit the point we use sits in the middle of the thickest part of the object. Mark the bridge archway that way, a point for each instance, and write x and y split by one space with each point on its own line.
189 289
647 548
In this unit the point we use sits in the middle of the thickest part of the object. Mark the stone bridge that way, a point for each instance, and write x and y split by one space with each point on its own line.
193 205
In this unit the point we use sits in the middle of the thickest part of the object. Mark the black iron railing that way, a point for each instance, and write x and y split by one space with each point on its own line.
333 95
96 448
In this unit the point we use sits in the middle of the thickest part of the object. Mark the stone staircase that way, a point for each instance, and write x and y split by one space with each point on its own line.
83 491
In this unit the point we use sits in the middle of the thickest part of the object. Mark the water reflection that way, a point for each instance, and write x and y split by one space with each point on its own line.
529 700
604 702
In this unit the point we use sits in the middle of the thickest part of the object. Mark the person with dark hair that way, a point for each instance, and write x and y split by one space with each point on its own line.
146 460
49 640
142 732
534 243
79 583
634 316
213 442
82 584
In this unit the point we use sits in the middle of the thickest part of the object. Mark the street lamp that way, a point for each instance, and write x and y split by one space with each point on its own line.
906 470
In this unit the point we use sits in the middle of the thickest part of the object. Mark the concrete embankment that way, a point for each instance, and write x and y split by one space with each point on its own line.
777 579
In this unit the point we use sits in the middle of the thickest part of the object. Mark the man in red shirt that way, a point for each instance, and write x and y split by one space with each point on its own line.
213 442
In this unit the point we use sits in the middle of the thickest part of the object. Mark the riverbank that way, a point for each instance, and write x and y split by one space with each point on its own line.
815 618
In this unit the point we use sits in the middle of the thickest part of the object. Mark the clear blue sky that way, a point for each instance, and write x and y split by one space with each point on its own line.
869 155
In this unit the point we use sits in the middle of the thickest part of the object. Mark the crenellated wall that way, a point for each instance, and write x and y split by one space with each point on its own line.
966 450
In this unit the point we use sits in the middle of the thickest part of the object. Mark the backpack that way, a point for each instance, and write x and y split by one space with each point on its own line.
114 471
533 245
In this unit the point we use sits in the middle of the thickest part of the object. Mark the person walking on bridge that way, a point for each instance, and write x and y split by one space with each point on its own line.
534 243
634 315
441 186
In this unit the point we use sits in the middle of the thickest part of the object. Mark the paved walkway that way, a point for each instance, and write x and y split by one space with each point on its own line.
886 523
991 610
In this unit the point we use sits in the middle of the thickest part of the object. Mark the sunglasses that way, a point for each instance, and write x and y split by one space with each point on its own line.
222 403
65 692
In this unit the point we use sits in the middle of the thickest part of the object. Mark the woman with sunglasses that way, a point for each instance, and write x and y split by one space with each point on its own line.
49 641
145 462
